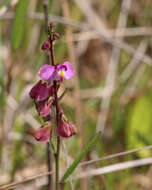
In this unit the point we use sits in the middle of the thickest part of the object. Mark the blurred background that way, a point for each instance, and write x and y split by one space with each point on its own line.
110 45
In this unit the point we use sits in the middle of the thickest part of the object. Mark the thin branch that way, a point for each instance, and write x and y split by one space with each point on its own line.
113 66
115 167
14 184
131 87
134 62
84 27
117 155
121 32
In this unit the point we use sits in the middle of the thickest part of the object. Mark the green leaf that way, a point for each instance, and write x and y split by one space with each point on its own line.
75 163
19 23
52 146
139 124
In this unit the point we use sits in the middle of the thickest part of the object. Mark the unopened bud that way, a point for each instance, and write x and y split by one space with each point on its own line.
56 35
45 45
66 129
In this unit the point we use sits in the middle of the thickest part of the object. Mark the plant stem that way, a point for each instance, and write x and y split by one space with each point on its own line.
45 6
49 159
48 150
57 164
57 119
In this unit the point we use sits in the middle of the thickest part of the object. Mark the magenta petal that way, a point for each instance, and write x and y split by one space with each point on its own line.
63 130
69 70
39 92
43 134
66 129
44 108
47 72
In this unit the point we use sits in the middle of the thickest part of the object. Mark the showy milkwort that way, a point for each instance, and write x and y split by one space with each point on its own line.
44 94
58 72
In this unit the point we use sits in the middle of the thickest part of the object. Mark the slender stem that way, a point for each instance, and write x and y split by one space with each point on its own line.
49 159
45 7
57 120
48 150
57 164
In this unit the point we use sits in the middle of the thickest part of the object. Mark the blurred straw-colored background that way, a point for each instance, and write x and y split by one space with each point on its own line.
109 43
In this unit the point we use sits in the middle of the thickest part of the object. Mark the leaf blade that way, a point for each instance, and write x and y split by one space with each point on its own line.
75 163
19 24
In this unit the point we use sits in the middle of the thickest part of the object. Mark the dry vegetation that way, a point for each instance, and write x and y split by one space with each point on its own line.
109 42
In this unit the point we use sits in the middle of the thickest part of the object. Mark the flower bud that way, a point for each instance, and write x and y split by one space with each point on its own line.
45 45
56 35
66 129
43 134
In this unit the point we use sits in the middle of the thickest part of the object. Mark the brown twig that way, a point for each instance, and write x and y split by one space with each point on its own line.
14 184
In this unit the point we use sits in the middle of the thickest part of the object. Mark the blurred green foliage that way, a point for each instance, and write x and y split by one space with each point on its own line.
140 124
19 23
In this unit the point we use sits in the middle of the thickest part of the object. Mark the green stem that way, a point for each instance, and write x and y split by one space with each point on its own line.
57 164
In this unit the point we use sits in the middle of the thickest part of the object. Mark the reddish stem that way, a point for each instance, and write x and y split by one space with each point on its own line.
57 117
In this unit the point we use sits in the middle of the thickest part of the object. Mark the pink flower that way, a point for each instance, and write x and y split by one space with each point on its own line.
66 129
44 108
39 92
65 71
43 134
58 72
47 72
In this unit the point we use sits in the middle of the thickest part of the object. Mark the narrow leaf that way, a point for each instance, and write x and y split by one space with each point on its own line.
75 163
19 23
52 146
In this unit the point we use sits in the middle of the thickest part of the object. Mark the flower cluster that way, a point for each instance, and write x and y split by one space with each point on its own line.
44 94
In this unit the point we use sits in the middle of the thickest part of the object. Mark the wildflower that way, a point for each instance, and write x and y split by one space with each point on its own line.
39 92
58 72
66 129
65 71
43 134
47 72
44 108
45 45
